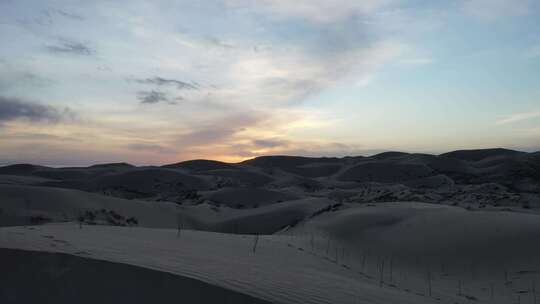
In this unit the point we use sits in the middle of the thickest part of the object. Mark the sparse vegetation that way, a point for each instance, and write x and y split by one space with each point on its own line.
180 224
39 219
255 242
105 217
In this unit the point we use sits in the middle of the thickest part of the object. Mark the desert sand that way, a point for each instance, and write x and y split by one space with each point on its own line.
460 227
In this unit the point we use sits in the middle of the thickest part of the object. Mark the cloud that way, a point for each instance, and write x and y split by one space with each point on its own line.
14 78
239 151
12 108
265 60
155 96
48 15
300 62
69 15
46 18
159 81
41 137
208 135
151 97
518 117
324 11
145 147
285 77
67 46
270 143
217 42
235 136
494 9
222 130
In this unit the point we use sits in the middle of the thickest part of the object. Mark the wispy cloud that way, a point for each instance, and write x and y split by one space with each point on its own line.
493 9
68 46
12 108
69 15
160 81
324 11
221 130
151 97
47 17
146 147
218 42
270 143
39 137
518 117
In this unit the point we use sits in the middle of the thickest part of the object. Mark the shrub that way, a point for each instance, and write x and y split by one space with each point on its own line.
90 215
115 215
132 221
39 219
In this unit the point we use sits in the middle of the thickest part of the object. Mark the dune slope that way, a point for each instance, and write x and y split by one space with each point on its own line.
64 279
275 272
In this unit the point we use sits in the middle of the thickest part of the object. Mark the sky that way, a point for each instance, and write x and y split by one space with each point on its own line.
155 82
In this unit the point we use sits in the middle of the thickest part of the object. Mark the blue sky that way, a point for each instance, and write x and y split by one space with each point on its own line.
162 81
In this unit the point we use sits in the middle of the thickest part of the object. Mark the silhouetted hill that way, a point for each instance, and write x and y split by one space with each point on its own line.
21 169
113 165
476 155
281 161
498 176
200 165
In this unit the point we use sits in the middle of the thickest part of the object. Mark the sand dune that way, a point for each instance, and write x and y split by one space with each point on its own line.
247 197
275 272
478 250
56 204
386 172
431 233
238 177
263 220
21 203
80 280
22 180
464 218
